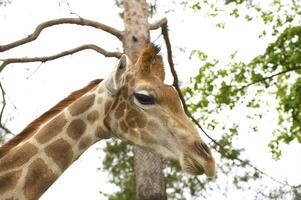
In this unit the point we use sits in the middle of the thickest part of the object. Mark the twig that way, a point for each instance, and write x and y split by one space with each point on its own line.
34 71
262 172
7 131
199 182
3 102
61 54
158 24
268 77
69 7
2 111
176 85
176 80
77 21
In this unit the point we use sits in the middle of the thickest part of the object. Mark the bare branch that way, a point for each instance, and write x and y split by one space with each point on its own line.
2 111
34 71
176 80
158 24
61 54
77 21
7 131
176 85
268 77
262 172
3 102
69 8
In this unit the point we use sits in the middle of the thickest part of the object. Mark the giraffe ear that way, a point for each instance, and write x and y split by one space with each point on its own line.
113 82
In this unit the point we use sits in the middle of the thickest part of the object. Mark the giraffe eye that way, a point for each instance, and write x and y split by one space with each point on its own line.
145 99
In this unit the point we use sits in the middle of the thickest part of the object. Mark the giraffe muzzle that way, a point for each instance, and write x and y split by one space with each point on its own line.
202 149
199 160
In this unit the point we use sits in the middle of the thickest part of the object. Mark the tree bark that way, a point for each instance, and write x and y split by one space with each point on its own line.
149 177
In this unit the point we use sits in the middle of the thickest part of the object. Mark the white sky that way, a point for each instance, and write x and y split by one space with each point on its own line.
33 89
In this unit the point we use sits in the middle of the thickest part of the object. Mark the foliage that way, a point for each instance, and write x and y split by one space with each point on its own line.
280 193
274 14
217 89
4 2
120 163
278 69
220 88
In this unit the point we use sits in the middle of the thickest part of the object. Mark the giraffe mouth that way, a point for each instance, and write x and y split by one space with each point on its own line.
195 166
191 166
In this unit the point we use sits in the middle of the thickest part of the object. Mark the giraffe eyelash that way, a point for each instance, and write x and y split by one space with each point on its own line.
144 98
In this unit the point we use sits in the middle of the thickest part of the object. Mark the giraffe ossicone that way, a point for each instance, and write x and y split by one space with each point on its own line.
133 103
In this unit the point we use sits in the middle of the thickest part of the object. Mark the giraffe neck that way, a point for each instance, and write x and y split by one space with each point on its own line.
28 169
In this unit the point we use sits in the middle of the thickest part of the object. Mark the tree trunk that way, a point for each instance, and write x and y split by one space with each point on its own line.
148 166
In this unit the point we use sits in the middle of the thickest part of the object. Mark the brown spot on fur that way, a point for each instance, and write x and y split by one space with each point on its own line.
115 103
107 122
82 105
85 143
128 77
101 133
8 181
61 153
141 121
76 128
120 110
108 106
135 118
115 125
131 83
124 92
123 126
38 179
151 125
131 119
93 116
147 137
33 126
18 158
51 129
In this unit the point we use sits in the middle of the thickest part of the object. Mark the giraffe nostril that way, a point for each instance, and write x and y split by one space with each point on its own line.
206 148
202 149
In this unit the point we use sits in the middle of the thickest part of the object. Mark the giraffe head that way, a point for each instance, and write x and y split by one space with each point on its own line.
149 113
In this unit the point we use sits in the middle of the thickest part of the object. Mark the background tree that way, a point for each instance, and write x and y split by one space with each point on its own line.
224 88
4 2
219 91
148 166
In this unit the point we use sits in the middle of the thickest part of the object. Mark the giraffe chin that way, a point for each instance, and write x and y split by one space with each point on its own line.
191 166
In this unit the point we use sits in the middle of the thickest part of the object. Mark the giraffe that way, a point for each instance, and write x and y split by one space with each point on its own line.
132 104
